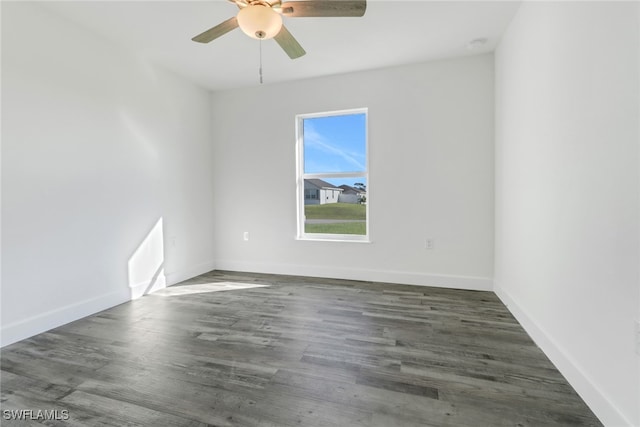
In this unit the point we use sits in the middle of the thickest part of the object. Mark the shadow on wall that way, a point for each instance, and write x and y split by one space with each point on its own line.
146 265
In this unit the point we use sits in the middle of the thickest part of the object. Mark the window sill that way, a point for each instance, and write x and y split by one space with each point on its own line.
332 239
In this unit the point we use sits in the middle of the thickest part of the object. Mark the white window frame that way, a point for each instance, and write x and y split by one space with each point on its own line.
301 176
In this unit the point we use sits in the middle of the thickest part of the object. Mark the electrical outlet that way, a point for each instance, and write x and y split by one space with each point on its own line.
428 243
245 236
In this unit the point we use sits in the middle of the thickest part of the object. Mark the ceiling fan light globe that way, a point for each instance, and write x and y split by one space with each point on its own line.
259 22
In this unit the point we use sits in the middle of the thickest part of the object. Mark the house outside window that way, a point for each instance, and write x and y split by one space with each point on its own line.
333 175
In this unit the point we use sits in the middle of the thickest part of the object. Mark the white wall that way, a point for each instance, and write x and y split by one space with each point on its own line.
638 315
567 192
106 174
431 175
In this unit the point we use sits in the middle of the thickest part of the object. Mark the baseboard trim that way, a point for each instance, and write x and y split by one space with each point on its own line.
143 288
390 276
588 390
182 275
22 329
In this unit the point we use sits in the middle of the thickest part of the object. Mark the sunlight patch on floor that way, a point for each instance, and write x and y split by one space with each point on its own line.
205 287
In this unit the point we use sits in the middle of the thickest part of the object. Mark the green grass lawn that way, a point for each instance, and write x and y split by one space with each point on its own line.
336 211
337 228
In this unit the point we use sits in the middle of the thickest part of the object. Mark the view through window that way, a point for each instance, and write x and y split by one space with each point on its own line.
333 175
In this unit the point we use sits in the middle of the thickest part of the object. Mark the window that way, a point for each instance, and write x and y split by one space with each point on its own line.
333 176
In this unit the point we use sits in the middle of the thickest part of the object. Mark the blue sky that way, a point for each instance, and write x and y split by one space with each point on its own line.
335 144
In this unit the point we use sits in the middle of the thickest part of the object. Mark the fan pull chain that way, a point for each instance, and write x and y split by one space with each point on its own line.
260 61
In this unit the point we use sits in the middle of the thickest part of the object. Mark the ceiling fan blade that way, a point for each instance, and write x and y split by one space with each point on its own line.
324 8
217 31
289 44
239 3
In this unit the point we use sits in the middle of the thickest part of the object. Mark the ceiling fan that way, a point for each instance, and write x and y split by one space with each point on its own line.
262 19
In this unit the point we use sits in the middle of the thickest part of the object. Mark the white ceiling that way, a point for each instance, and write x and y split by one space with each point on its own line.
391 33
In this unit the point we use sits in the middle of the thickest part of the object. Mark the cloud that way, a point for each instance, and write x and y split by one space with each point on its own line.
313 139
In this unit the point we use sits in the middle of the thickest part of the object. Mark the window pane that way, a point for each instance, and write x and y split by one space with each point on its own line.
338 206
335 143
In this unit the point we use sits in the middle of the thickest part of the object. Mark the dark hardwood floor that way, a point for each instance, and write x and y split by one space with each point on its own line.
297 352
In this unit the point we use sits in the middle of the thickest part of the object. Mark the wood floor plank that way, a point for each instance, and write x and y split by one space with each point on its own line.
294 351
91 409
